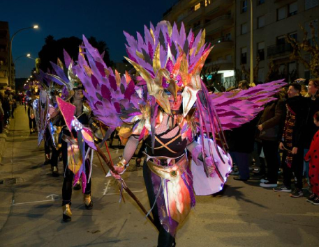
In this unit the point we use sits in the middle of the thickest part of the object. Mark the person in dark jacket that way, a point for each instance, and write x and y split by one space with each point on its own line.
291 141
241 145
309 128
268 126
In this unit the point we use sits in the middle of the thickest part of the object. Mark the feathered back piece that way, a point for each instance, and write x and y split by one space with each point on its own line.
112 98
64 76
169 59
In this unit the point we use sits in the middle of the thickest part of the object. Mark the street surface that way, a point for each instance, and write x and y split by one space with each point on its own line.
31 213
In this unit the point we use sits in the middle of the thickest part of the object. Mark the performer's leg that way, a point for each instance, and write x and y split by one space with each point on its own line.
87 195
54 162
164 238
67 185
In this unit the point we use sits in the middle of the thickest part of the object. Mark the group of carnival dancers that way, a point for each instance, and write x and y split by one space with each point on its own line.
165 104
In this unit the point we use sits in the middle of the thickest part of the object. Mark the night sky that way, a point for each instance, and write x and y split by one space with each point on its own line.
103 19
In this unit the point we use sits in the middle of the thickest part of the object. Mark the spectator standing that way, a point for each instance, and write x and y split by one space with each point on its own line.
31 116
309 128
269 124
291 142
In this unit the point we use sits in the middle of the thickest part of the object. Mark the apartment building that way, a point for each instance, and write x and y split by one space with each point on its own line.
272 21
217 17
4 55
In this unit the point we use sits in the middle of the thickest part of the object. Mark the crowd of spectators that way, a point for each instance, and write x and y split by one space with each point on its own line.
272 147
8 103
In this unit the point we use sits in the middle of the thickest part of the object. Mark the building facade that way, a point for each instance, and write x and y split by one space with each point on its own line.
217 17
227 25
4 56
272 21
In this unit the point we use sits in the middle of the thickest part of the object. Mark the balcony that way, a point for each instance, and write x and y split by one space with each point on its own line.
279 50
218 24
193 15
222 46
217 4
222 64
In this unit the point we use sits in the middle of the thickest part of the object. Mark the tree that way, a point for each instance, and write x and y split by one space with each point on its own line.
246 72
53 49
302 50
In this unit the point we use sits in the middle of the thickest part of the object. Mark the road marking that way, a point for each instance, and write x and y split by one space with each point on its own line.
52 196
134 191
106 188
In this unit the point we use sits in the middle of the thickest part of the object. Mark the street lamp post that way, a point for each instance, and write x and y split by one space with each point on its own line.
27 55
251 45
10 50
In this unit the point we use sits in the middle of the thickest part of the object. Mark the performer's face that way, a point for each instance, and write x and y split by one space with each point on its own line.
316 122
78 94
175 104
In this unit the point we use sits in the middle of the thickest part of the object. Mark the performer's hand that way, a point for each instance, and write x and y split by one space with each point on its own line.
294 150
281 146
260 127
119 170
47 156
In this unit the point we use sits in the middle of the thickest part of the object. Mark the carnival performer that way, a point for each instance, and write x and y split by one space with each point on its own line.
76 155
53 133
171 109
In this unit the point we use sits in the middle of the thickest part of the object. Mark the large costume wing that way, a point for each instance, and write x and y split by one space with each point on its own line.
114 99
241 106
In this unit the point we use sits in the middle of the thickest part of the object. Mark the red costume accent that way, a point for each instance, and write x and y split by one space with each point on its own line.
313 157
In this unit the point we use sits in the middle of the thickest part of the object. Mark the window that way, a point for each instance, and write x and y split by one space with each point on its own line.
307 27
261 21
311 3
261 51
228 37
292 9
3 47
260 2
261 75
281 40
197 7
243 6
207 2
281 13
244 28
243 55
3 74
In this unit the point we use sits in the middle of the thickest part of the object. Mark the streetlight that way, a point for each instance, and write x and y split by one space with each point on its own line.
27 55
10 50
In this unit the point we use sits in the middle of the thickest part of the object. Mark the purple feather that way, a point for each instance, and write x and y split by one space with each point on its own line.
105 92
59 72
100 67
129 90
112 82
94 81
117 107
67 59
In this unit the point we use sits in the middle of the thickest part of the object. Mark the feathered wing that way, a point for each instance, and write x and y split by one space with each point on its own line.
239 107
113 98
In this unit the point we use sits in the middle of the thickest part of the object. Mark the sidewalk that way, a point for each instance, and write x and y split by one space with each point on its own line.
18 128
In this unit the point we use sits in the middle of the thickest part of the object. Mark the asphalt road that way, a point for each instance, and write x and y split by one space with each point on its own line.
31 213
